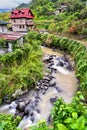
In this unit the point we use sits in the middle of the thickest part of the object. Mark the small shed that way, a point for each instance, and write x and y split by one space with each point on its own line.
12 37
3 26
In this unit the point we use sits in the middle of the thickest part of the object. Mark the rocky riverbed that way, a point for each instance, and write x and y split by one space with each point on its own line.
59 81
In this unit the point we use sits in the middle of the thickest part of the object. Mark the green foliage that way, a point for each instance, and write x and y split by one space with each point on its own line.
8 122
41 126
2 42
4 16
21 68
83 13
60 17
32 35
62 22
67 116
70 116
79 53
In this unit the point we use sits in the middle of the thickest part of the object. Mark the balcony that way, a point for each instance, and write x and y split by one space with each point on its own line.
30 23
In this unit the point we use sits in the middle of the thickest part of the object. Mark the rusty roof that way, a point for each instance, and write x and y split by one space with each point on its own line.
11 36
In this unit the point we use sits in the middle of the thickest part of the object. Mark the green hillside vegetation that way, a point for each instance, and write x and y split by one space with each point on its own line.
65 116
17 69
23 67
73 21
23 5
5 16
69 116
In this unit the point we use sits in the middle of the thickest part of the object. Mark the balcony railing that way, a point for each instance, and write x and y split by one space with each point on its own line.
30 23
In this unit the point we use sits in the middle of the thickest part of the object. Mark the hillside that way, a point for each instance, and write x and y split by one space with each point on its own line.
49 88
23 5
51 15
5 16
65 17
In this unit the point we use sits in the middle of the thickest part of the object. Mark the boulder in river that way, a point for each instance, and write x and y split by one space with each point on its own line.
53 99
18 113
21 106
60 64
44 44
58 89
32 118
49 120
52 82
27 110
38 110
7 100
17 93
69 67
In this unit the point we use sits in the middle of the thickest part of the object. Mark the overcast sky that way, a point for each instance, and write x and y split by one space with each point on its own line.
11 3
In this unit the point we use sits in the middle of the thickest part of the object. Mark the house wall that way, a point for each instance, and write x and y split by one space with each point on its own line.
9 47
18 21
19 28
21 24
3 28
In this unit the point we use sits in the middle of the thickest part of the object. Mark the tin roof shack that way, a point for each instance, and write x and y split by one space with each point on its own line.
3 26
12 38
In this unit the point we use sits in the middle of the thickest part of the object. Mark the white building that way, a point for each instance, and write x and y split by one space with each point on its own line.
3 26
21 20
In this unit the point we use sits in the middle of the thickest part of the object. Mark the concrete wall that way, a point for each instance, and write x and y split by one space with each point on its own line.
19 28
3 28
20 41
18 21
21 24
9 47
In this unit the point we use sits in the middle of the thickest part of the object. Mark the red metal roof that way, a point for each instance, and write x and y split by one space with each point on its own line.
22 13
11 36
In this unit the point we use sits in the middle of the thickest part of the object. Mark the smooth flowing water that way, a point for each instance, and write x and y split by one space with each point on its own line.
66 86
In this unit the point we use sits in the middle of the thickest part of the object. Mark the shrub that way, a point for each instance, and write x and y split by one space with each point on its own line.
8 122
71 116
21 68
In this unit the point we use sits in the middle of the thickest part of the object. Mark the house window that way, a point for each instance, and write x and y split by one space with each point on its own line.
20 13
20 26
14 21
23 26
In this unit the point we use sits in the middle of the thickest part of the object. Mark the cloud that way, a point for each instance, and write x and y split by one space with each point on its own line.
11 3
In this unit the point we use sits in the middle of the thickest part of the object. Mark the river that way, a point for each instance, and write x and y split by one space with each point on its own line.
61 82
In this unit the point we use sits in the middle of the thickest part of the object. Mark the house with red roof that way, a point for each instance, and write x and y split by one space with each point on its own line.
22 20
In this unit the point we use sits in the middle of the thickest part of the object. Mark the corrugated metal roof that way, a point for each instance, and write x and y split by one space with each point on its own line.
22 13
2 22
11 36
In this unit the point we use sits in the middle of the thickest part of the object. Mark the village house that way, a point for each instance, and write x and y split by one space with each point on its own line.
22 20
11 38
63 8
3 26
